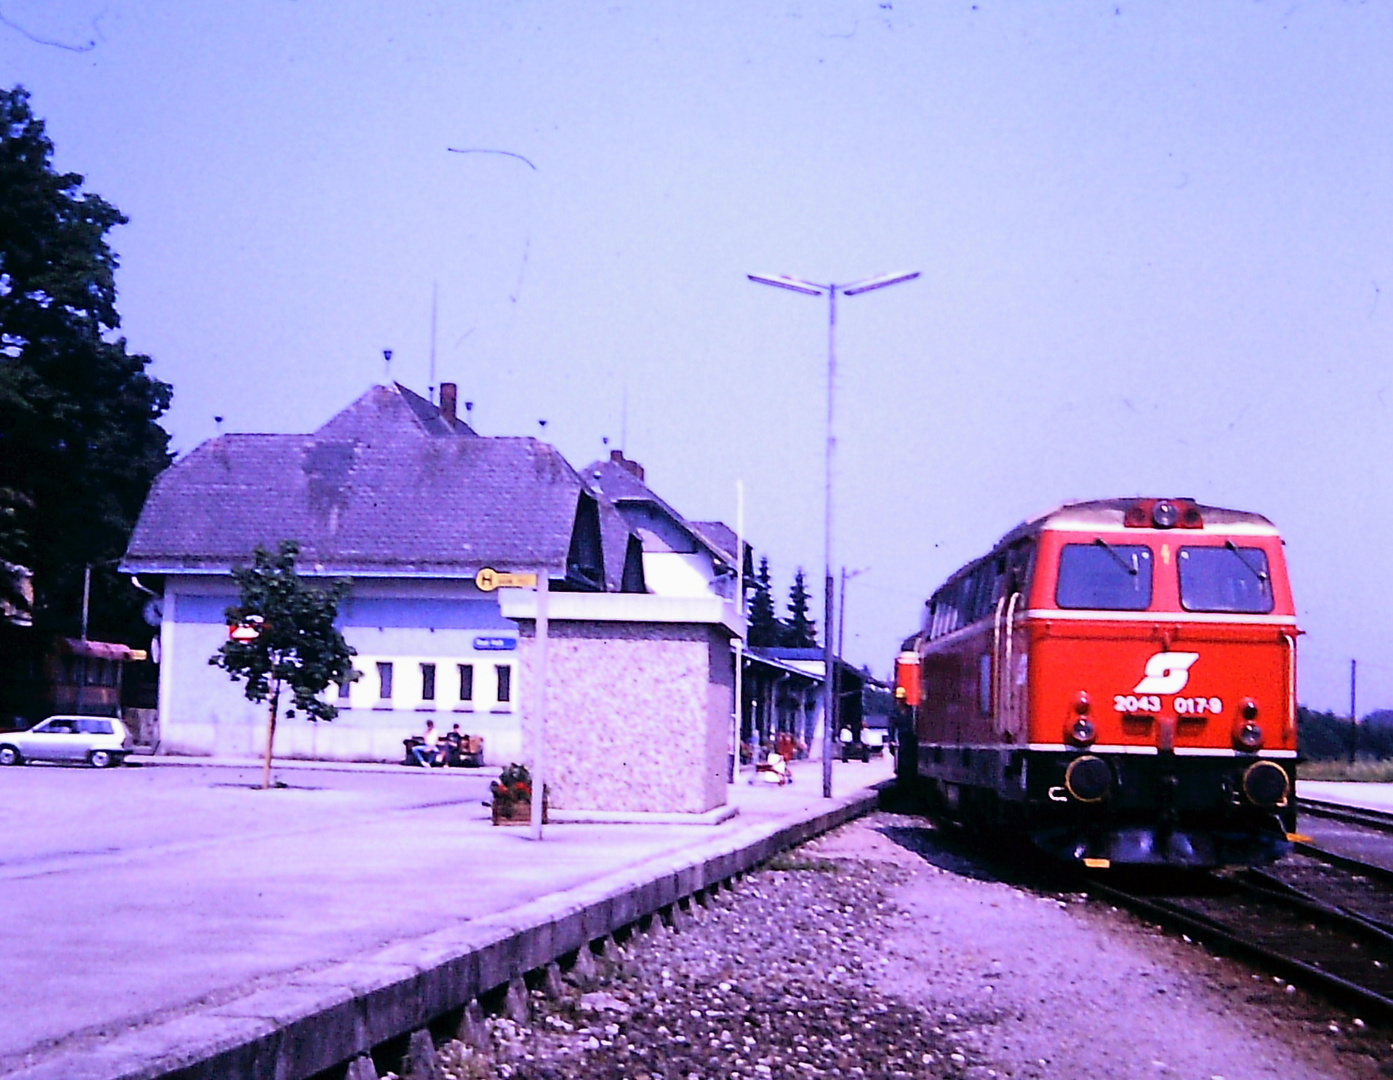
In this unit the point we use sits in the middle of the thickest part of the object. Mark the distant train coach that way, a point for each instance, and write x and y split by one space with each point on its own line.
1116 679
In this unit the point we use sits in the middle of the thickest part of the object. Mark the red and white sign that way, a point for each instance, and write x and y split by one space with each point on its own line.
246 631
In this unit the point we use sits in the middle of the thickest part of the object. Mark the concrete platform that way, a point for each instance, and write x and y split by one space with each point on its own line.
164 921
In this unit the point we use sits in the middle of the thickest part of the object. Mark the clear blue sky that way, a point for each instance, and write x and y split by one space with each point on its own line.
1155 241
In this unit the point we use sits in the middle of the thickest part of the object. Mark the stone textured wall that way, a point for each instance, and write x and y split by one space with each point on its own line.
637 714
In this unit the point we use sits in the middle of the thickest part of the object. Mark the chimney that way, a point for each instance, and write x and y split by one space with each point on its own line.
449 394
633 468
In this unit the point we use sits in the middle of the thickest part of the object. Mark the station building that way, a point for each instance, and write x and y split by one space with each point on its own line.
402 498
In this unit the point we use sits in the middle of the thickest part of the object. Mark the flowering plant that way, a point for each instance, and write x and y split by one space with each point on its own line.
513 785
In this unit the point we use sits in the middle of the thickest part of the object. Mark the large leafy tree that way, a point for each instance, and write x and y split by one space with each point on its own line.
289 643
80 439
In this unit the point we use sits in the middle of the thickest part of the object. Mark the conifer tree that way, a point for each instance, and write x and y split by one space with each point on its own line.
764 626
800 631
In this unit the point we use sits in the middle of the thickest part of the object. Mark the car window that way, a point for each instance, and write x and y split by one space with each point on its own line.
59 727
1228 578
94 727
1105 577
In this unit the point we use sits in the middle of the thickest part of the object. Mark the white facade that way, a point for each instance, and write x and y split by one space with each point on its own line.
673 573
425 631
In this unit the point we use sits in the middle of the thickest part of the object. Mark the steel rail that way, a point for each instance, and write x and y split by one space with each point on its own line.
1379 873
1226 937
1266 883
1272 883
1352 815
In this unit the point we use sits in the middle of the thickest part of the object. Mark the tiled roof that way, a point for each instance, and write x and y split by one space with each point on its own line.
383 487
717 535
623 488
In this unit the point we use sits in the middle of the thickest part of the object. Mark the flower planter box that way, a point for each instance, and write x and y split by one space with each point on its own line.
516 812
512 797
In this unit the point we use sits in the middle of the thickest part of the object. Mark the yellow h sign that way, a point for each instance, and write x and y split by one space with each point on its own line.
489 579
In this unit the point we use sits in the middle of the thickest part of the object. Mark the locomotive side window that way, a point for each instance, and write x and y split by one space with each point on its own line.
1227 578
1105 577
1018 568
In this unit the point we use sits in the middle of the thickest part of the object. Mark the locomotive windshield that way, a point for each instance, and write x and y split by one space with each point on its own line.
1228 578
1106 577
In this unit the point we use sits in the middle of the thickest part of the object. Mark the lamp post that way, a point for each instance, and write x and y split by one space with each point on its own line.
811 288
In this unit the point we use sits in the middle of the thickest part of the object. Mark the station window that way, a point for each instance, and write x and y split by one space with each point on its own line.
345 686
505 682
1104 576
1228 578
427 682
466 682
384 680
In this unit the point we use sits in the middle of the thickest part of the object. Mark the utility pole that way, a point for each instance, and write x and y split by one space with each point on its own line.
1353 710
738 719
86 596
812 288
841 641
539 716
434 296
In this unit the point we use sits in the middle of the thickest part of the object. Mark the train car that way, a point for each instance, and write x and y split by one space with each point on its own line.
1116 679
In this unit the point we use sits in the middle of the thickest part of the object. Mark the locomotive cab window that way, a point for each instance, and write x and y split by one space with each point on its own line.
1105 577
1228 578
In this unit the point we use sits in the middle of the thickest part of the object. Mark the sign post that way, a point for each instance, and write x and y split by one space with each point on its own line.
488 579
539 721
737 720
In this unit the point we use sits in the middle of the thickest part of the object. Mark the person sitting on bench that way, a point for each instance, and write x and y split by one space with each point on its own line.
427 751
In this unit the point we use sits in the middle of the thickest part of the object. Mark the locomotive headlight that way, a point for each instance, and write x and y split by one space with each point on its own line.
1248 708
1165 515
1081 703
1088 778
1265 784
1082 732
1248 736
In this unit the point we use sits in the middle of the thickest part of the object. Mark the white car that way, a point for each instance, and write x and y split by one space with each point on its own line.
100 741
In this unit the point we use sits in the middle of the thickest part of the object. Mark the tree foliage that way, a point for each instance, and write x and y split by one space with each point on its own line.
298 647
800 631
1325 736
766 629
764 625
80 441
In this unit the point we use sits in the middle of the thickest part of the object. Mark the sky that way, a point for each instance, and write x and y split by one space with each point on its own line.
1154 240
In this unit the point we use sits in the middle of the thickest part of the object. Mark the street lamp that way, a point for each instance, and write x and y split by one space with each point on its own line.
812 288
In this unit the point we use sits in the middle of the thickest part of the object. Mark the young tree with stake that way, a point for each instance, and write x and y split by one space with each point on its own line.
284 638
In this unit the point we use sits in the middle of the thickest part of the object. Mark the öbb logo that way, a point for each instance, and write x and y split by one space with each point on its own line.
1167 673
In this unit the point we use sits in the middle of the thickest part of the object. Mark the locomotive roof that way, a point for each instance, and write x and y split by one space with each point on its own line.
1107 514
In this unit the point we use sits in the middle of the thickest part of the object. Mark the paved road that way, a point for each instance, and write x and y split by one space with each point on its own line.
142 892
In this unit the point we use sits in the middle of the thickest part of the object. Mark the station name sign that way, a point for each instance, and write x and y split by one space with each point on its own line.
489 579
495 644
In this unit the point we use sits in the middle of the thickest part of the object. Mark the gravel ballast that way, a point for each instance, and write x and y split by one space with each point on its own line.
857 956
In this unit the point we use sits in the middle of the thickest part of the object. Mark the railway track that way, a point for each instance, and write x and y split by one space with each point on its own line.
1319 918
1351 815
1286 931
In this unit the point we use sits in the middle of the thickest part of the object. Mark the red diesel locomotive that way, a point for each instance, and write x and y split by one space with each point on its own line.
1118 680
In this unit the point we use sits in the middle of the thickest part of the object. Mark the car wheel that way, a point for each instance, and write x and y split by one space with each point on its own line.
10 756
100 759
